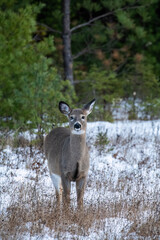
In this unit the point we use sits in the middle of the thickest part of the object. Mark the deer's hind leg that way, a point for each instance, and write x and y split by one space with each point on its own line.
56 179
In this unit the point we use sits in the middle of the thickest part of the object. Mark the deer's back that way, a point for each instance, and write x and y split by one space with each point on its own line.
53 147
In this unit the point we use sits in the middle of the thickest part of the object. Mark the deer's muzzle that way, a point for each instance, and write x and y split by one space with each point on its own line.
77 126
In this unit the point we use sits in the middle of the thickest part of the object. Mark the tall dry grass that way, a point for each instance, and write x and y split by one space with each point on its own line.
33 212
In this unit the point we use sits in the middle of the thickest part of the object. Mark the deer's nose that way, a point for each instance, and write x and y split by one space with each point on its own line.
77 126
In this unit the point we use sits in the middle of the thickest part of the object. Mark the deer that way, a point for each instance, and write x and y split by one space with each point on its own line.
68 155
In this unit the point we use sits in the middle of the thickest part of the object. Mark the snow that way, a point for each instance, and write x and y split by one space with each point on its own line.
124 172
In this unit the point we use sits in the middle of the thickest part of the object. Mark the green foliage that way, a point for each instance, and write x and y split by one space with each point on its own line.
101 141
113 57
106 87
105 83
30 86
117 45
132 114
142 80
151 109
125 20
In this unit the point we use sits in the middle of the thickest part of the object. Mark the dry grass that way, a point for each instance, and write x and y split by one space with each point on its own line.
42 212
33 212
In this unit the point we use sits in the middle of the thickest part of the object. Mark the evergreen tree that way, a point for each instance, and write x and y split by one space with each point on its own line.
105 33
30 86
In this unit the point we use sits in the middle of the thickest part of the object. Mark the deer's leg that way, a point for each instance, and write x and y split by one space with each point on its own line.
56 179
80 187
66 184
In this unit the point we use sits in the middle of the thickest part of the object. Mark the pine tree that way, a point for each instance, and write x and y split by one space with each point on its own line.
30 86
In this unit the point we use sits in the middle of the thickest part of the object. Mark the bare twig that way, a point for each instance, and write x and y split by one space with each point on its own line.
49 29
118 69
81 81
82 52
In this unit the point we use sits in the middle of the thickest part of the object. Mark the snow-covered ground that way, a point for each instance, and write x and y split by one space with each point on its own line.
122 197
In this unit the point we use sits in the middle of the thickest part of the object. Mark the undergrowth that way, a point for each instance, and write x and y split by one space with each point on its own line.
32 209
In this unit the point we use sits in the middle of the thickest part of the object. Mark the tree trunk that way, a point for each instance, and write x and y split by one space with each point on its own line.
66 36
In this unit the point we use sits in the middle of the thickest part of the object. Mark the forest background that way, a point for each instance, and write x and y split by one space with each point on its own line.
76 51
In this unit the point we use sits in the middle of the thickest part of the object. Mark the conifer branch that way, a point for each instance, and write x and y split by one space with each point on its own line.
102 16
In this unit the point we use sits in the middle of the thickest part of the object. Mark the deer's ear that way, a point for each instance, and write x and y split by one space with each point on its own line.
64 108
89 106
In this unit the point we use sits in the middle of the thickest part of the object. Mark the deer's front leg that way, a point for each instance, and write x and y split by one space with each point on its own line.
80 187
66 184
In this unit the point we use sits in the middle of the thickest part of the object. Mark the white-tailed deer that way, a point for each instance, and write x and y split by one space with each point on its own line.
67 153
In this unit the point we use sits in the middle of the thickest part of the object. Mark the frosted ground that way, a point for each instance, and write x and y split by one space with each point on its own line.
122 197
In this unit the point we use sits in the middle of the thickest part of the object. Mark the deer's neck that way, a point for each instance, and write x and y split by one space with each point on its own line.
78 145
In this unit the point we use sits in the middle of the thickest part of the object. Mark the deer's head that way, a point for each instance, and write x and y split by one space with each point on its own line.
77 117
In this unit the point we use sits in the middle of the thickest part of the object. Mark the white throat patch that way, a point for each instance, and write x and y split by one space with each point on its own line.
80 132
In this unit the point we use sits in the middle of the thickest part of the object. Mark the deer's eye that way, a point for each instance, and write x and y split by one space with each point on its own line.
71 118
83 117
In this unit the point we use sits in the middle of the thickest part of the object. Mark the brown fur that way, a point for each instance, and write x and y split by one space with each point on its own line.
67 152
